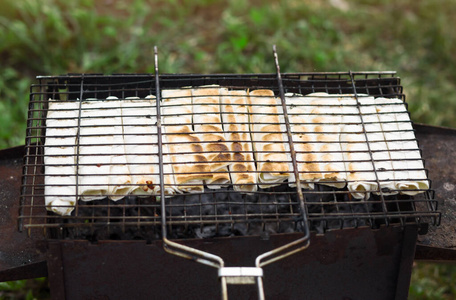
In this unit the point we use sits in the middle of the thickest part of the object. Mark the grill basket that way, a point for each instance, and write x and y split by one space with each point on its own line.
213 212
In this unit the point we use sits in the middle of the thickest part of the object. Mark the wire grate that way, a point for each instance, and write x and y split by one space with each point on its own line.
129 123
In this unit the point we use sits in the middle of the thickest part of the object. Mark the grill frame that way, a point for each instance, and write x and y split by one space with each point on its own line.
386 83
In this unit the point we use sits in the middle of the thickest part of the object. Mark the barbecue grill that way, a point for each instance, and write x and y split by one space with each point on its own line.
237 233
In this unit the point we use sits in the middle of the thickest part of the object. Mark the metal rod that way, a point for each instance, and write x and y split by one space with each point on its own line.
170 246
358 104
274 255
160 145
292 150
260 287
78 136
26 164
224 288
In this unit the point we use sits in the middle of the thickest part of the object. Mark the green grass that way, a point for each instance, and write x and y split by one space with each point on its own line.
208 36
31 289
415 38
433 282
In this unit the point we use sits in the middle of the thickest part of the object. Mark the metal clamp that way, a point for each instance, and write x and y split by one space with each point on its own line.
240 275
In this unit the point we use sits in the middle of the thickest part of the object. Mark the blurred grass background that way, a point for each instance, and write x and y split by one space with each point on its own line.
415 38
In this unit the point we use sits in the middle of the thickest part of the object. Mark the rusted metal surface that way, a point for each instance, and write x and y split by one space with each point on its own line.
439 152
16 249
427 253
343 264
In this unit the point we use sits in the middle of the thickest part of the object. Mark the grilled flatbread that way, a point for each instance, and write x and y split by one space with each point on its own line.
315 124
119 175
139 118
189 164
377 145
60 157
237 134
209 129
409 174
269 140
361 179
95 146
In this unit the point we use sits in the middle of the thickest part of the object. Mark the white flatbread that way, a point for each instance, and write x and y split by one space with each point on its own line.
409 174
119 175
96 135
139 119
359 166
60 157
377 145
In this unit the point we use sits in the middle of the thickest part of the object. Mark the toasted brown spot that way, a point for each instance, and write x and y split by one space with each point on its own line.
210 127
327 157
181 129
150 184
200 158
239 168
196 148
217 147
238 157
325 148
243 178
318 120
271 127
272 137
310 166
236 147
332 176
274 167
221 157
262 93
305 147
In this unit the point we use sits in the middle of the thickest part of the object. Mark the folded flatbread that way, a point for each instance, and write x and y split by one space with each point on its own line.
237 134
139 119
189 163
359 166
119 175
409 174
96 135
315 124
377 145
270 142
169 183
60 156
208 127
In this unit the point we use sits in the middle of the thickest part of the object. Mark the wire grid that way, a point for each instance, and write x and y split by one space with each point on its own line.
222 212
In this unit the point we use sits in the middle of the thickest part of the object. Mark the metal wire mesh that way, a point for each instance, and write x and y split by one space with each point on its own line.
211 203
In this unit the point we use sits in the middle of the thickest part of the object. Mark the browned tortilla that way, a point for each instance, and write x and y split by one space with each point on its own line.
235 121
186 153
268 136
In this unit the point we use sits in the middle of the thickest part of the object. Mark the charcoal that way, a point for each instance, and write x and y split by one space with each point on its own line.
221 213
